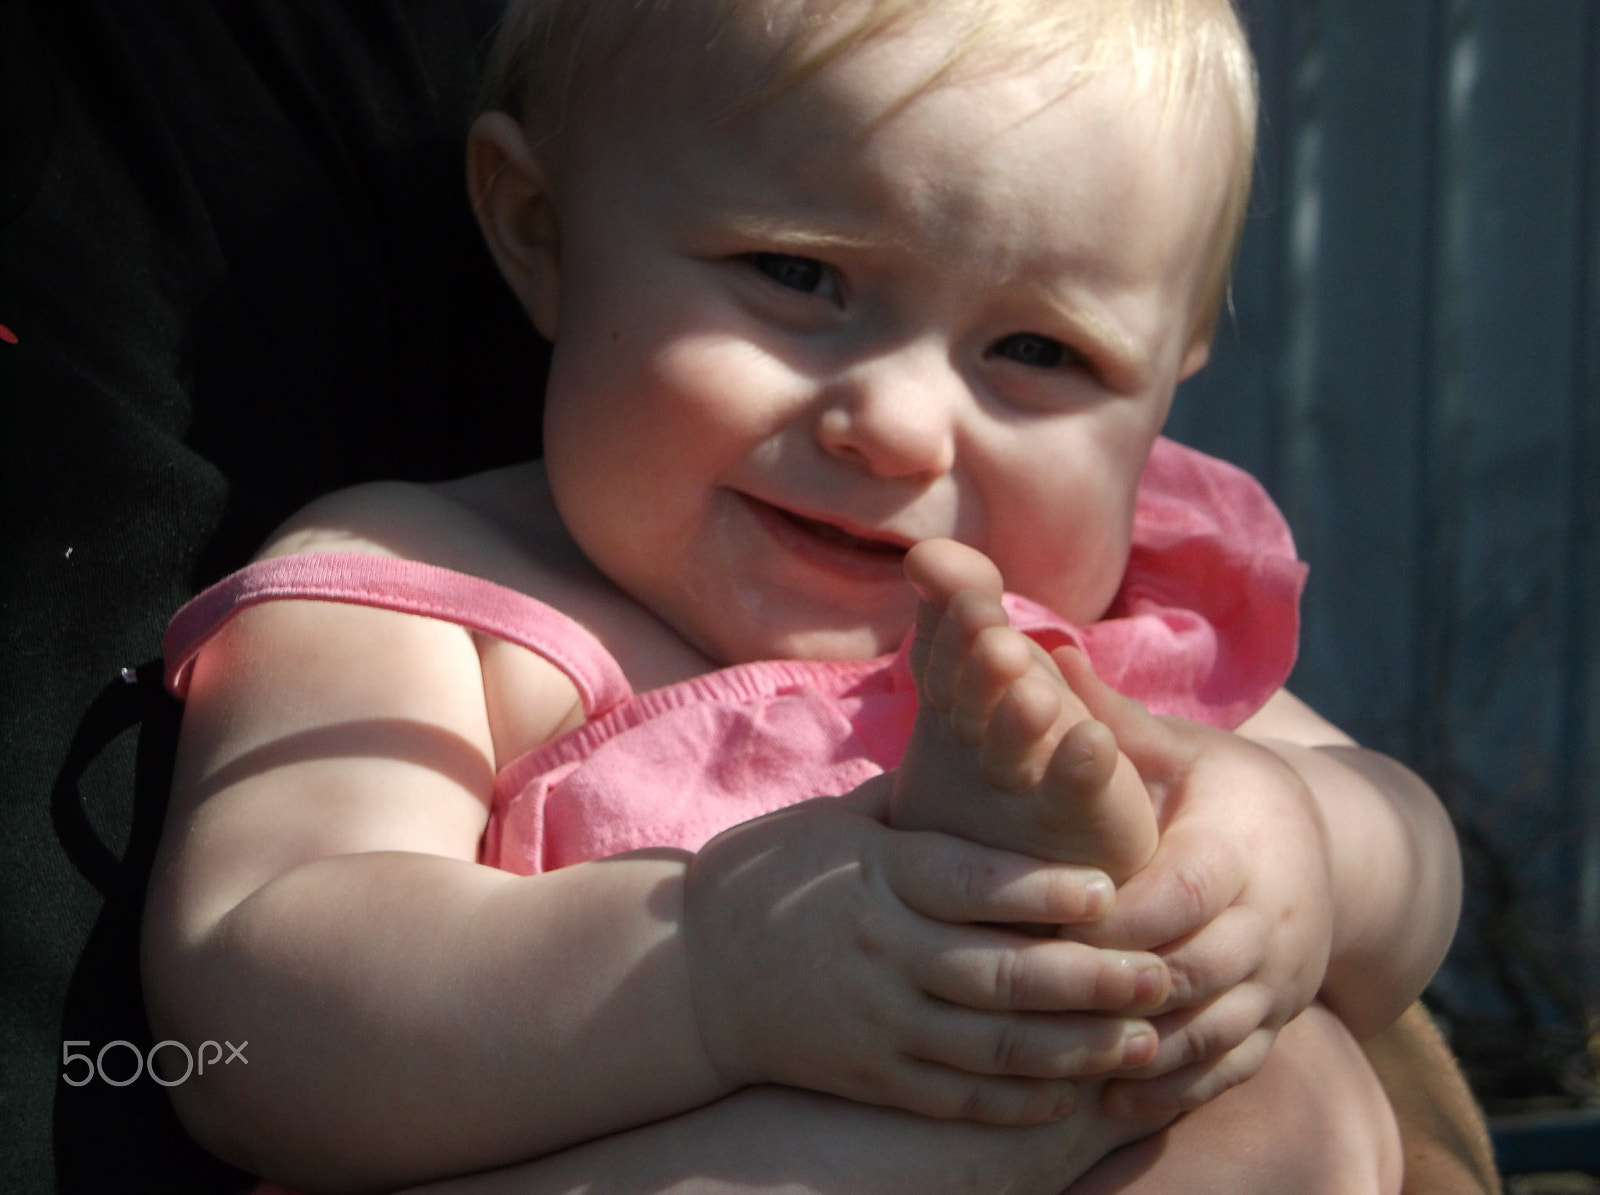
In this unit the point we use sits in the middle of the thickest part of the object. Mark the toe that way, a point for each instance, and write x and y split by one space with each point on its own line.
941 568
968 615
1021 734
997 659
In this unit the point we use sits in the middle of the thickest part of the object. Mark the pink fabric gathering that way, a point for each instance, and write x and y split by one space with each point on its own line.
1205 626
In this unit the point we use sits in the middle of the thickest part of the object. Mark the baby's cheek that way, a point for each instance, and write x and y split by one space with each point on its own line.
723 382
1072 564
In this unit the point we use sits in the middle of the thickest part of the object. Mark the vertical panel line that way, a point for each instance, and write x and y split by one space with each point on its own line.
1303 243
1426 743
1580 731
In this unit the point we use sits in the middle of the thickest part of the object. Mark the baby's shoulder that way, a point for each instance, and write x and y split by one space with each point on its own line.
499 527
483 525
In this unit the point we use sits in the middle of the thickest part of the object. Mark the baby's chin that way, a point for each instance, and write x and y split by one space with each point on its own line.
731 645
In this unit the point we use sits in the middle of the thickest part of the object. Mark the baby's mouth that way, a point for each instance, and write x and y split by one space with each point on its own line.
830 533
842 538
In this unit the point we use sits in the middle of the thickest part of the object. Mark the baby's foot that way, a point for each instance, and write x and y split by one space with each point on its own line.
1003 751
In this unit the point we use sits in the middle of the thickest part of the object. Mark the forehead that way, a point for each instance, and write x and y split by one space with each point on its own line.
1058 155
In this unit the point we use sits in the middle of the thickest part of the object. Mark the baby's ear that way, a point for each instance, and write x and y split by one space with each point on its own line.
1195 356
511 196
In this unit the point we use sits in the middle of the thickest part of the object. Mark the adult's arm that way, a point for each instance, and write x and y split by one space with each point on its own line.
1442 1130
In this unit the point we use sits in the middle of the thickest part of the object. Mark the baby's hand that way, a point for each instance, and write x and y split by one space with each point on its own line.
1237 899
829 952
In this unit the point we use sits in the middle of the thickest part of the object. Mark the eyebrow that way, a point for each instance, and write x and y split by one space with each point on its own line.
1128 365
803 234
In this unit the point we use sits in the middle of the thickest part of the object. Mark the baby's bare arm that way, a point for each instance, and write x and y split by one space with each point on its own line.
1285 871
411 1013
1393 860
408 1011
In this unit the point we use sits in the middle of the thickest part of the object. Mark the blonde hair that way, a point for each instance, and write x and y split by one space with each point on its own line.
549 56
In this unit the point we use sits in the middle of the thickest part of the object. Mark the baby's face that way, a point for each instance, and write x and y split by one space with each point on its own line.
792 344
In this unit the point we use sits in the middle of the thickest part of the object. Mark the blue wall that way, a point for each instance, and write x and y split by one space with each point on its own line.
1414 371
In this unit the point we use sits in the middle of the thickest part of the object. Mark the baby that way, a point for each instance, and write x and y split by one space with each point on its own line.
588 818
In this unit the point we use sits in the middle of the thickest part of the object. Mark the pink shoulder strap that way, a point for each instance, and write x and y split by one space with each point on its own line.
409 587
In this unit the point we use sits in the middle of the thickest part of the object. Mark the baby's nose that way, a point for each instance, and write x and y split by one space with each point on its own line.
896 415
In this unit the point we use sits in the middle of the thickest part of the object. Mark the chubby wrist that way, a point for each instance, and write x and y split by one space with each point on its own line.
679 1023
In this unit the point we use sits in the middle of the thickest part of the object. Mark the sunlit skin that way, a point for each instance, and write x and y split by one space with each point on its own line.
863 315
799 321
792 340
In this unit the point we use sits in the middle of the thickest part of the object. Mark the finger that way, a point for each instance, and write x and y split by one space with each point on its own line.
1220 956
1195 1036
870 799
929 1089
950 879
1190 880
1060 1046
994 970
1187 1089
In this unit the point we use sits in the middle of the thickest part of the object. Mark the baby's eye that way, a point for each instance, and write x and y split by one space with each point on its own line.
805 274
1030 349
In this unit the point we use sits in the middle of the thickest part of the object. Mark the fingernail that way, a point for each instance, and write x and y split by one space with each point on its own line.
1098 895
1147 985
1066 1104
1119 1101
1139 1044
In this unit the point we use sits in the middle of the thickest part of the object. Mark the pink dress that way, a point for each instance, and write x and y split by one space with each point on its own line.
1204 626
